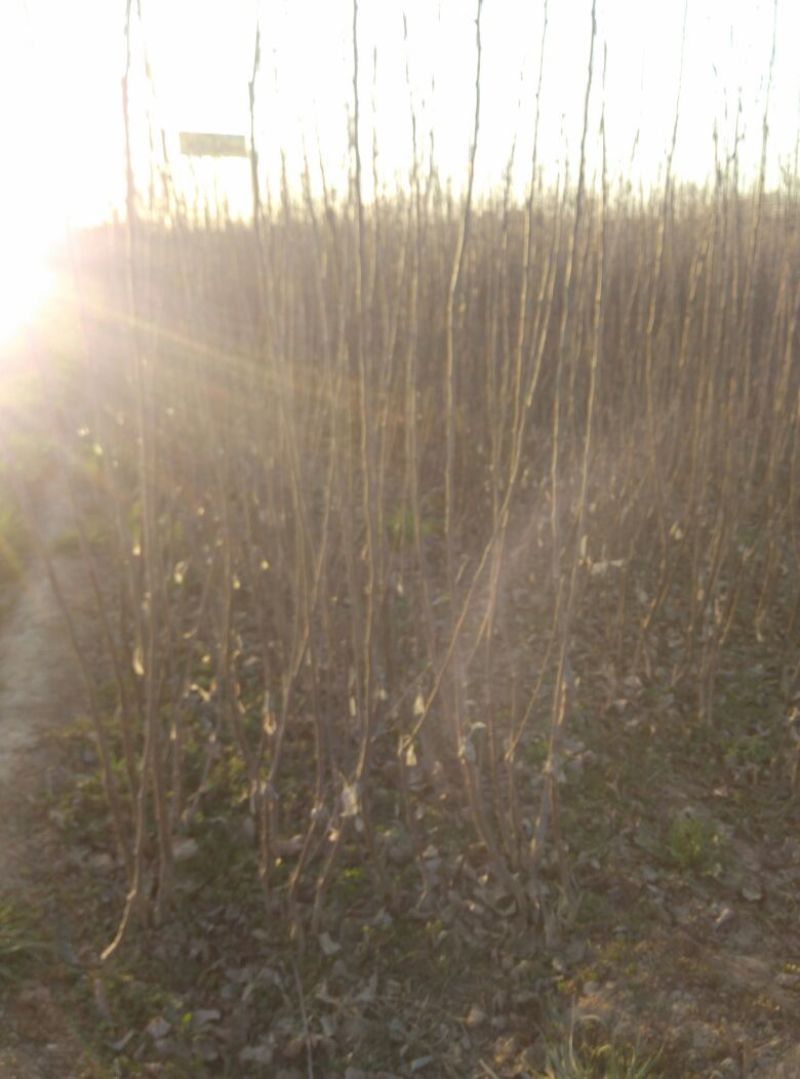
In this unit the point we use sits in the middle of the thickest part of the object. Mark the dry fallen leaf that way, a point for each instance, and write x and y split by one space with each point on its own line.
184 849
475 1017
158 1028
203 1016
257 1054
328 945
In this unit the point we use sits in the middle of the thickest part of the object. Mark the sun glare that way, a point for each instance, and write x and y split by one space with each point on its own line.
27 280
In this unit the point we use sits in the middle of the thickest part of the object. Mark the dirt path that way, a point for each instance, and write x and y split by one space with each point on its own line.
39 690
37 676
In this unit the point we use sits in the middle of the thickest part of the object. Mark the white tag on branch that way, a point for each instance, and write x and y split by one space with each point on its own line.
350 800
467 749
600 569
179 573
419 705
411 756
138 661
268 716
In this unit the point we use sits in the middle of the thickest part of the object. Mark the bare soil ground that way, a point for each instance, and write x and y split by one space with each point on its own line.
684 937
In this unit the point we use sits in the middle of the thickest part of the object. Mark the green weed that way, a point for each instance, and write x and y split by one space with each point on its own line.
693 844
588 1056
564 1061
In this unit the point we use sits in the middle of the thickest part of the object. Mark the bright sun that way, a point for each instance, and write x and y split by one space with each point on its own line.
27 279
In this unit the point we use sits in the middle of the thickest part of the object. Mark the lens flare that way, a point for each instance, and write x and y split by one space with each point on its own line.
27 278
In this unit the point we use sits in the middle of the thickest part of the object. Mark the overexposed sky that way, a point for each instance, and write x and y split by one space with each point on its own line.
61 65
